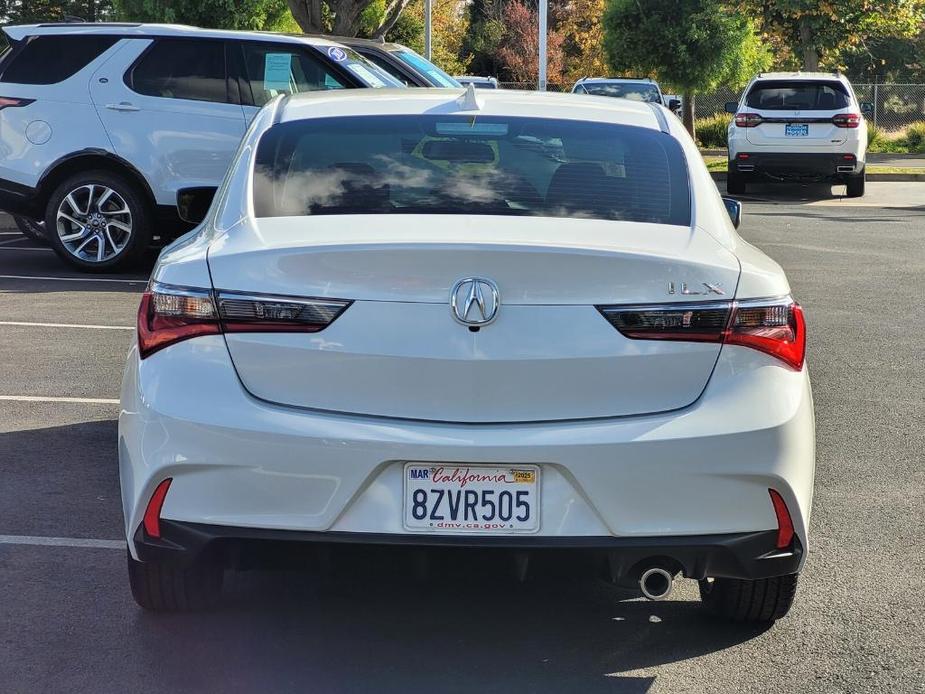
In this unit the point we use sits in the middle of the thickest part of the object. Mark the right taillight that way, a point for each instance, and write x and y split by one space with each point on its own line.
773 326
748 120
170 314
847 120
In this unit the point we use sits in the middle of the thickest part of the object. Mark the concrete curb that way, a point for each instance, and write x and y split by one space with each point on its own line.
873 177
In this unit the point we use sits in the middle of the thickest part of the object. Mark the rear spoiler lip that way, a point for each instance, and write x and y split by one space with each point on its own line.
18 32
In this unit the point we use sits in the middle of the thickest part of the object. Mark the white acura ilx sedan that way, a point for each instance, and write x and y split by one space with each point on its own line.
500 319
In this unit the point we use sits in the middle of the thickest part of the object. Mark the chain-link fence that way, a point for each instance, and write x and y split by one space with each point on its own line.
895 105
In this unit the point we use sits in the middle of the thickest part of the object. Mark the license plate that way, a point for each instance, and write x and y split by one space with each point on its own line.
796 130
472 498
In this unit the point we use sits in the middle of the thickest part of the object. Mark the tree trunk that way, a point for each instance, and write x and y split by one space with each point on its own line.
808 47
392 10
307 14
687 112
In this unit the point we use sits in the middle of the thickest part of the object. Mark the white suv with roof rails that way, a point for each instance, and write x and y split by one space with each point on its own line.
799 126
102 124
636 89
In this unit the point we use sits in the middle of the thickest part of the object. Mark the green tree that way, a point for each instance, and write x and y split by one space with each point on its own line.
214 14
33 11
450 24
816 32
691 45
347 17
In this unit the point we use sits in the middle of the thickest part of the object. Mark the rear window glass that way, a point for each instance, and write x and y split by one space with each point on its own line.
797 96
634 92
463 165
51 59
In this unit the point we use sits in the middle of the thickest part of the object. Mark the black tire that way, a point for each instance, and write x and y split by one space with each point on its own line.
32 230
735 183
138 218
162 587
856 183
760 602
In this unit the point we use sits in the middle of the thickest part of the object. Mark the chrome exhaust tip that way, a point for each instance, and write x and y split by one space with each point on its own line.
656 583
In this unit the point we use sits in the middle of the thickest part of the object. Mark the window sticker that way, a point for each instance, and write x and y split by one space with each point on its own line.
277 71
361 71
337 54
440 79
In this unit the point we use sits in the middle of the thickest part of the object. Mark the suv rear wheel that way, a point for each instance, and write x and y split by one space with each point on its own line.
856 184
97 221
763 601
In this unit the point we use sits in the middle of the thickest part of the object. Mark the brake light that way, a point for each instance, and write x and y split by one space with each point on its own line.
170 314
784 521
13 102
847 120
775 327
748 120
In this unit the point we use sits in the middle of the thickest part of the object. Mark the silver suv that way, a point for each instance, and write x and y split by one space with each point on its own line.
102 124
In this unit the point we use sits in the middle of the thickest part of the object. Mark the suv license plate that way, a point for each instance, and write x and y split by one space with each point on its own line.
472 498
796 130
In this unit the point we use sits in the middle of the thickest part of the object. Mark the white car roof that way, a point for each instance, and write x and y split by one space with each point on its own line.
376 102
641 80
17 33
800 76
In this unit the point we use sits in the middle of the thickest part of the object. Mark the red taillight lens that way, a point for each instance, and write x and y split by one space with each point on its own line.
152 518
773 327
13 102
784 521
170 314
776 329
748 120
847 120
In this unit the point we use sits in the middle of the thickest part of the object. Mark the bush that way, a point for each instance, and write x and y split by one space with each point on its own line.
915 137
711 131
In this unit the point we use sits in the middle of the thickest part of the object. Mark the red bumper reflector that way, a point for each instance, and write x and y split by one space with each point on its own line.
784 522
152 521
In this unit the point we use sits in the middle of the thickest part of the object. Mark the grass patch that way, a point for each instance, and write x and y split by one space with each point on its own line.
719 164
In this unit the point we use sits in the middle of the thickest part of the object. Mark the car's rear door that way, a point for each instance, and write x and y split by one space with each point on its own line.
796 113
171 114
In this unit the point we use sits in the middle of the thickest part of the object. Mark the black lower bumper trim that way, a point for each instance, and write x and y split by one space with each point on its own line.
795 166
18 199
750 555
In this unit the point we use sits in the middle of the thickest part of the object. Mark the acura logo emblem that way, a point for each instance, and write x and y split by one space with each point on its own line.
475 301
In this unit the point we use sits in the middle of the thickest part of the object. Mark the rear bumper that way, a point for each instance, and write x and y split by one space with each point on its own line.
18 199
734 555
249 469
795 165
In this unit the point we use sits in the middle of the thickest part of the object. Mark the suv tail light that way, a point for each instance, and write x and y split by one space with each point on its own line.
748 120
170 314
847 120
13 102
772 326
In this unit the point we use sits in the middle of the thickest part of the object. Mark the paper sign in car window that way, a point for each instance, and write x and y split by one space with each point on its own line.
277 71
440 79
365 74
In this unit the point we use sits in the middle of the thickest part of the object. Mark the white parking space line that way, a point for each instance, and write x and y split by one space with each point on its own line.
49 398
39 541
11 241
10 233
18 248
66 325
71 279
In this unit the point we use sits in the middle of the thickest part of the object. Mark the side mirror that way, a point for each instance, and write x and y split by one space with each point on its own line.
194 203
734 208
674 104
867 108
732 106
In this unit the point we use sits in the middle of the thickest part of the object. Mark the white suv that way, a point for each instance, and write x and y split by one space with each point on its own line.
797 126
102 124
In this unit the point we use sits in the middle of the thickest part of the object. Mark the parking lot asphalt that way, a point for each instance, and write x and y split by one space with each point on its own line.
68 623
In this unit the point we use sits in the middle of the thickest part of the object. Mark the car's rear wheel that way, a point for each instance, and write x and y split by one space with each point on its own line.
763 601
735 183
856 184
31 229
97 221
163 587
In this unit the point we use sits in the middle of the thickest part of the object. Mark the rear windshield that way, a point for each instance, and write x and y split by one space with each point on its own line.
798 96
625 90
465 165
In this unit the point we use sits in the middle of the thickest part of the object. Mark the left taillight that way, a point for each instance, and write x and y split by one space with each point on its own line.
773 326
169 314
13 102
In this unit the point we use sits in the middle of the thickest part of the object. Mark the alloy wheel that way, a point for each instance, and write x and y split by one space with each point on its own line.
94 223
